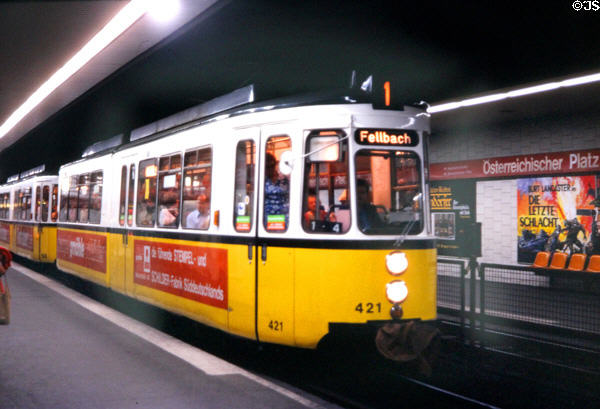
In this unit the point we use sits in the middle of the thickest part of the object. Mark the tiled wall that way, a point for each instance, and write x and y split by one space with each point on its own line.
497 211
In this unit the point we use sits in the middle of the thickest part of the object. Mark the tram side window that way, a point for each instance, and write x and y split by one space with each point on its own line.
122 197
197 189
245 160
95 197
146 196
83 198
169 190
64 199
73 193
277 186
45 201
38 204
54 213
7 205
17 205
327 157
130 198
388 192
4 205
26 213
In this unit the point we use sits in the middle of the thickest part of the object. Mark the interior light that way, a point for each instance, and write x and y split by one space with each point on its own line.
324 149
151 171
586 79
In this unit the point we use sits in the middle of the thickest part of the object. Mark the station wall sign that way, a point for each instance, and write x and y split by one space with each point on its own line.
519 166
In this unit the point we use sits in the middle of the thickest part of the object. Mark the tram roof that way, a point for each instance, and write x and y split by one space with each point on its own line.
204 113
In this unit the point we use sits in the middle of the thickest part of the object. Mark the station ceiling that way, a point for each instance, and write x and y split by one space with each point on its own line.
430 50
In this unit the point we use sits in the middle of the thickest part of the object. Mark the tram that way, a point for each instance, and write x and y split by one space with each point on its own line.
28 216
274 221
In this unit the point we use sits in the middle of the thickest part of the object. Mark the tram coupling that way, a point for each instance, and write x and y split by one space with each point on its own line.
411 342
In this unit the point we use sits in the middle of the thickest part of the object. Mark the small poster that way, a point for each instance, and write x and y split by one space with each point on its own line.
452 217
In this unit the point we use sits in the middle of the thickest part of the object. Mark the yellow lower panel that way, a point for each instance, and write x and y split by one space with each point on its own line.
276 274
348 286
241 290
47 244
116 248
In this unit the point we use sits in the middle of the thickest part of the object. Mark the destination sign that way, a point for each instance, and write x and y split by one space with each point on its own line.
387 137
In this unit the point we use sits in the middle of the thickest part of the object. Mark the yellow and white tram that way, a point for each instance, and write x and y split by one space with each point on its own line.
271 221
28 216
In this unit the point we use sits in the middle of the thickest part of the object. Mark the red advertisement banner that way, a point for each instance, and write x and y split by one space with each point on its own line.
5 233
196 273
522 165
84 249
24 237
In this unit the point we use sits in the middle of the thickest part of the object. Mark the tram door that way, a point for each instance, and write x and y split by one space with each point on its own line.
121 259
242 258
42 200
275 270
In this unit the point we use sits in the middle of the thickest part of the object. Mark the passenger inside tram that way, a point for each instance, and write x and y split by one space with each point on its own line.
368 217
199 218
169 212
311 213
277 190
146 213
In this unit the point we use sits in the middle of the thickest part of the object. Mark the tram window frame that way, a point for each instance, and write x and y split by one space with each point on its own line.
54 212
26 213
4 205
83 197
197 186
16 205
147 180
123 196
278 187
389 226
169 197
244 186
63 211
45 202
38 204
130 199
95 197
336 172
72 199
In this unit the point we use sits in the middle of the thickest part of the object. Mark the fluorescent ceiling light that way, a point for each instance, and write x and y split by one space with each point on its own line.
586 79
163 10
120 22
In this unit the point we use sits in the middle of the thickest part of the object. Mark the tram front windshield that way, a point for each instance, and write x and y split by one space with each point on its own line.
388 192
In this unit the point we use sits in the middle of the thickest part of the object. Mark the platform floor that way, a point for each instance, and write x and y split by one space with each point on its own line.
64 350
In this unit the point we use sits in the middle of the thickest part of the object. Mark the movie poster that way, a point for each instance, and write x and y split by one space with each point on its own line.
452 214
547 208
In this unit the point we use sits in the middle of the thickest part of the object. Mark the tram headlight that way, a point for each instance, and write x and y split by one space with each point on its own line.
396 263
396 291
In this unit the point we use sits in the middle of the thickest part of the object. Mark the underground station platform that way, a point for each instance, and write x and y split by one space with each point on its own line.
64 350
